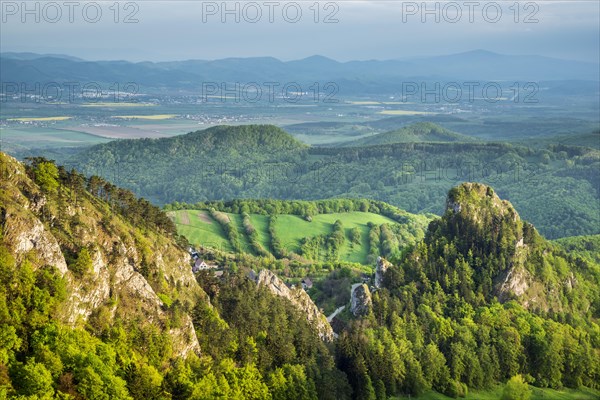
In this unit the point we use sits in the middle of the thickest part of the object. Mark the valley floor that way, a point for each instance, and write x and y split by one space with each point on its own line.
536 394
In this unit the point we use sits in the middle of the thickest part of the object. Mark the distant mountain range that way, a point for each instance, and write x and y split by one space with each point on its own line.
354 76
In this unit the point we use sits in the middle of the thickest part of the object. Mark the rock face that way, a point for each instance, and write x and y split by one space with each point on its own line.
488 231
30 235
382 266
516 283
118 255
360 301
300 299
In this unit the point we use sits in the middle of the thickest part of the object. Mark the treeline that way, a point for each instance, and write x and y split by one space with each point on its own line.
325 247
252 234
442 344
387 240
229 227
305 209
276 247
70 187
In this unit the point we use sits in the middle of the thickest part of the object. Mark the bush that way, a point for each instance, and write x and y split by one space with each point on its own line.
516 389
82 264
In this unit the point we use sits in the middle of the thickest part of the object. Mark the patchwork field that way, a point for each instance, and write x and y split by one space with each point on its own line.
202 230
292 229
43 137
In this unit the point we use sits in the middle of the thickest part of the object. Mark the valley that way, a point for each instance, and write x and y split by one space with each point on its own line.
362 230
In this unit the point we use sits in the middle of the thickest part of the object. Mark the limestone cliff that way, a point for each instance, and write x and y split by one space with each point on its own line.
382 266
360 300
300 299
129 266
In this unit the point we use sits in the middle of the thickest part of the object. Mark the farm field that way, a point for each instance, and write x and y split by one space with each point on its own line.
292 229
202 230
46 137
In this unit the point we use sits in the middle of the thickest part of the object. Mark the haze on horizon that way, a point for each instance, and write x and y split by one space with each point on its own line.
341 30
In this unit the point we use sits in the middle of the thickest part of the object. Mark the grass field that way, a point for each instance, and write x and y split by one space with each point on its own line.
150 117
29 136
404 112
261 224
38 119
201 230
292 229
536 394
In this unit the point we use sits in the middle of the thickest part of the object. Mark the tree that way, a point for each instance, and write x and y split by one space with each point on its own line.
355 235
33 379
46 175
82 264
516 389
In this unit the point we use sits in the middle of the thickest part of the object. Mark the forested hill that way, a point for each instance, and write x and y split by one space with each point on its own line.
232 140
557 188
415 133
98 301
483 298
482 250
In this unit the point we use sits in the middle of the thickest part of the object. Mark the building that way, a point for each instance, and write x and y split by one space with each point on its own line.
200 265
306 283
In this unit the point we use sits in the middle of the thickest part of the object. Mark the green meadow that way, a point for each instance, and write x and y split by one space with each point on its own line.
202 230
536 394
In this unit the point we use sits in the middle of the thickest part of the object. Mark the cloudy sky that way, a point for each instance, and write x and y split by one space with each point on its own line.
343 30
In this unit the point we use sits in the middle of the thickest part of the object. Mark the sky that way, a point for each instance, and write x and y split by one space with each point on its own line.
344 30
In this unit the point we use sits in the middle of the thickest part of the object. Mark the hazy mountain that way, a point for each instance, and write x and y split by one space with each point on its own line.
352 76
33 56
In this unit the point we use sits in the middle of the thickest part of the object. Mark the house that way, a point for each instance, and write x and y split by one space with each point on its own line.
306 283
199 265
193 253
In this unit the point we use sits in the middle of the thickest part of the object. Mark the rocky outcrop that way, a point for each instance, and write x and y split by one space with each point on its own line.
360 300
300 299
514 284
34 229
382 266
28 235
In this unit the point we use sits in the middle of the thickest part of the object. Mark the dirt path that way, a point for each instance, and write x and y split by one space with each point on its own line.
185 218
336 312
204 217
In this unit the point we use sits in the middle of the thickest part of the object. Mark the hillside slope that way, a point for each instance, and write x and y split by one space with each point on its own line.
555 188
420 132
98 301
111 267
482 299
482 249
